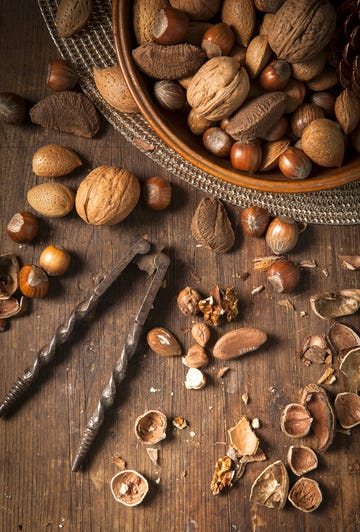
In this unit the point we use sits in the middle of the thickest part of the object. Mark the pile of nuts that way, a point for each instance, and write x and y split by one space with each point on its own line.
264 80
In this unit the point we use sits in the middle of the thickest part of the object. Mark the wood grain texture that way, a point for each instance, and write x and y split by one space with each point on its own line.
38 441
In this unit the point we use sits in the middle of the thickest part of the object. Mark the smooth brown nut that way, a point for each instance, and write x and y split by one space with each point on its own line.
170 94
156 193
275 76
54 160
197 9
254 220
107 195
170 26
246 156
218 88
196 357
295 92
217 141
33 281
218 40
22 227
282 235
53 200
238 342
61 75
284 276
163 342
295 164
303 116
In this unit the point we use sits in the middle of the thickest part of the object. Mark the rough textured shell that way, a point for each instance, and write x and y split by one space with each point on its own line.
107 195
68 112
218 88
54 160
271 152
211 226
51 199
111 84
256 116
72 15
168 61
271 487
144 13
317 403
305 495
301 28
197 9
240 15
335 304
9 273
238 342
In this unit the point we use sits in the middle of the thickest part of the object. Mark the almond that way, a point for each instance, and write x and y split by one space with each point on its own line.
51 199
72 15
54 160
240 15
347 110
239 342
144 13
111 84
163 342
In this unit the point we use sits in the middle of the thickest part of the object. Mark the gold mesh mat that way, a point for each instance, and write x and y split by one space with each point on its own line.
94 46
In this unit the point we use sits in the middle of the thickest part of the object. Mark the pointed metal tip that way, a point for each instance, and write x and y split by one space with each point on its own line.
77 463
3 409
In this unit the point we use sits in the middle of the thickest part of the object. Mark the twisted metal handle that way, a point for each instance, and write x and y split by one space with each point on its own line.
108 395
65 331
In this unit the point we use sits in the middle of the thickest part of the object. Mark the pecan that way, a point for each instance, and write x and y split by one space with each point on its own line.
168 61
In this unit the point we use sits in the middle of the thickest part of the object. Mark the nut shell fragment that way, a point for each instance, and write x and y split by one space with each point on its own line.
305 495
223 475
295 420
301 459
316 400
239 342
9 273
335 304
10 307
243 438
129 487
350 366
151 427
342 337
271 487
347 408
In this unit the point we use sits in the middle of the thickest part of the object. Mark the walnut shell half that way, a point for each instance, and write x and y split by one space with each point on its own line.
305 495
129 487
107 195
151 427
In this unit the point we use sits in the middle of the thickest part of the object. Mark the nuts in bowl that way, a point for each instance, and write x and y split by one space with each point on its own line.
254 91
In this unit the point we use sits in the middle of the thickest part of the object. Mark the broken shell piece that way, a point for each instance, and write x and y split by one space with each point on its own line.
314 349
163 342
315 399
223 475
238 342
333 305
301 459
179 422
350 366
305 495
342 337
195 379
201 333
271 487
129 487
243 438
153 454
295 420
10 307
151 427
347 408
9 274
350 262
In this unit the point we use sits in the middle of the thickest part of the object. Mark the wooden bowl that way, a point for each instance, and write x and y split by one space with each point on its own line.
172 128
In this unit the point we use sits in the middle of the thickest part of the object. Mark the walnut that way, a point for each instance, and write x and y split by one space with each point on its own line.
218 88
301 29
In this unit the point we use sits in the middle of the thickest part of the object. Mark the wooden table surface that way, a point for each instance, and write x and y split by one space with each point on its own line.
39 439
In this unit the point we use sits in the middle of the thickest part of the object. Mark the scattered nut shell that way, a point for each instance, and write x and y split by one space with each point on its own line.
347 409
316 400
295 420
342 337
163 342
10 307
195 379
271 487
350 262
301 459
335 304
305 495
350 366
9 274
150 427
129 487
243 438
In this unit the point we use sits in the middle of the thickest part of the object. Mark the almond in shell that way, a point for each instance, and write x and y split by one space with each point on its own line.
111 84
53 160
144 13
240 15
53 200
72 15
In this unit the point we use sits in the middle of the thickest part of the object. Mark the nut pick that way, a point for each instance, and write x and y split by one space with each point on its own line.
64 332
108 395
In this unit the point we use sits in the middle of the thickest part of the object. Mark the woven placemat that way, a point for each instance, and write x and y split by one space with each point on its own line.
94 46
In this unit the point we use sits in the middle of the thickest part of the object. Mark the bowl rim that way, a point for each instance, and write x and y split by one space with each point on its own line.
121 33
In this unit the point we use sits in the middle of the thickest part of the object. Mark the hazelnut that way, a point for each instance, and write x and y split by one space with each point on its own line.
277 130
170 26
188 301
156 193
33 281
61 75
55 260
246 156
275 76
282 235
218 40
23 227
295 164
254 220
284 276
